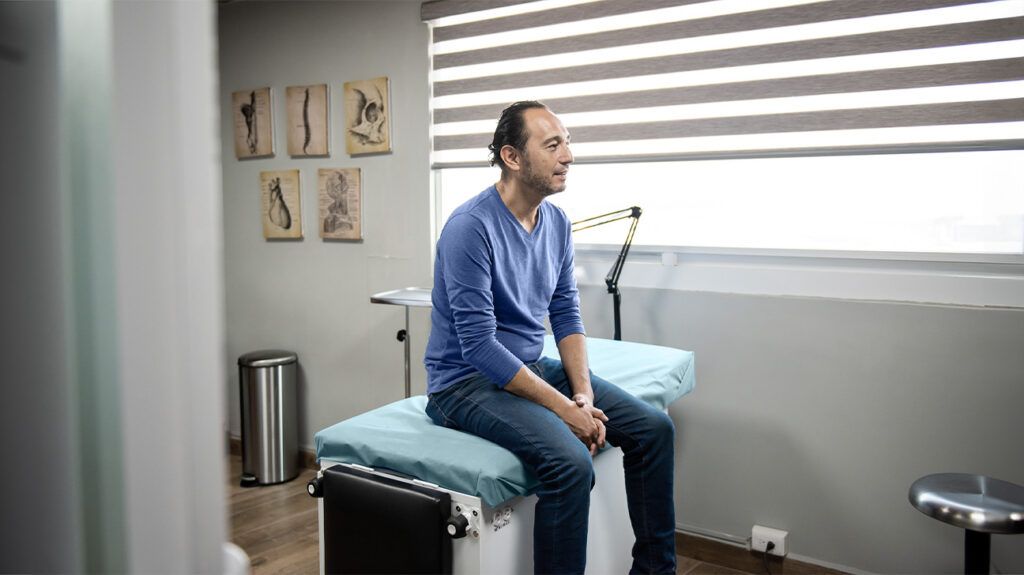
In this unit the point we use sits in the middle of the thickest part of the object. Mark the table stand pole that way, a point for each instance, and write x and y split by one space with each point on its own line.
408 352
976 552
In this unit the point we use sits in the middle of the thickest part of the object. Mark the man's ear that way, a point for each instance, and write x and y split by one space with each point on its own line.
511 157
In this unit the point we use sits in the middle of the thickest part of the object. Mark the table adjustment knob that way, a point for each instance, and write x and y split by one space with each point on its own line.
315 487
457 525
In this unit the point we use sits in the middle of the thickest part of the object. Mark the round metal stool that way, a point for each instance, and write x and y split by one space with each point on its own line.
978 504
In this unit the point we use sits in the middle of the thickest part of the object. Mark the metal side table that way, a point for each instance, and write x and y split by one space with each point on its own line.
408 297
978 504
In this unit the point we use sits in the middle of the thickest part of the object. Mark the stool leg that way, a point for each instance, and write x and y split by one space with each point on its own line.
976 552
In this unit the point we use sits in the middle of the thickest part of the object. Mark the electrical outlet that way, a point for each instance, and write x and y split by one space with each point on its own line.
760 536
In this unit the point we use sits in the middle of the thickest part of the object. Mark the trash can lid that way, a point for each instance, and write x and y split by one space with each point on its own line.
267 358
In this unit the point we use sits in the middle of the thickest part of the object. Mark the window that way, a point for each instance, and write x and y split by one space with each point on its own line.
959 202
843 126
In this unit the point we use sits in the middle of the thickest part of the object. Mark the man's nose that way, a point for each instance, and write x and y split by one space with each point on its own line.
567 157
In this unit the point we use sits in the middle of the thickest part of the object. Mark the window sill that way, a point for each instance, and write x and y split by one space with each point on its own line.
968 280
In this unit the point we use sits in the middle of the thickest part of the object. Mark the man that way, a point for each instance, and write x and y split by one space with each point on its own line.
504 262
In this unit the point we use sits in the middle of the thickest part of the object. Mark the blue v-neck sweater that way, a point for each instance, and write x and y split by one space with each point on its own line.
493 285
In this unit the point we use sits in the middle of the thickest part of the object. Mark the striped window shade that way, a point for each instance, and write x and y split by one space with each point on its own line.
692 79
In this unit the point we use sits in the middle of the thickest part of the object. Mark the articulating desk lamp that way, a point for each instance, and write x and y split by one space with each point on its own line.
612 279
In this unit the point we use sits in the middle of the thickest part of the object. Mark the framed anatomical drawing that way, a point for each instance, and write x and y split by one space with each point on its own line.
307 120
340 198
280 204
254 127
367 116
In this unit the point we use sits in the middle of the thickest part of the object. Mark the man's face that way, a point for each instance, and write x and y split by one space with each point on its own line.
545 161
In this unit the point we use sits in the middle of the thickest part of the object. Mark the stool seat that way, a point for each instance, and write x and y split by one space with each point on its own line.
973 502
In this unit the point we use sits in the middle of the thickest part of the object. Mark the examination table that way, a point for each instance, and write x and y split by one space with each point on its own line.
398 494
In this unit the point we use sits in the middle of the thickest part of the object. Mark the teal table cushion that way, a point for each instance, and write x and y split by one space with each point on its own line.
400 437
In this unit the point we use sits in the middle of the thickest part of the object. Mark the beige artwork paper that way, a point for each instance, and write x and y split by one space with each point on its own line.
254 126
280 204
340 192
367 116
307 120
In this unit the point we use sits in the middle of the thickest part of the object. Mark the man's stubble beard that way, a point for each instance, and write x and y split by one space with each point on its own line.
539 182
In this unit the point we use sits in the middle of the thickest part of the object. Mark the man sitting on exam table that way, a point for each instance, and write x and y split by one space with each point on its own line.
504 261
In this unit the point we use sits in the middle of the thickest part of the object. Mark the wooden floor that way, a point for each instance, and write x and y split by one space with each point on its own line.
277 526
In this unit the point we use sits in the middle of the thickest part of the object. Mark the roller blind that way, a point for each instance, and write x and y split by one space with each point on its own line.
677 79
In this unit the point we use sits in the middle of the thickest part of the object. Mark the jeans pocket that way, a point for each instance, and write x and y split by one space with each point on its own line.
435 413
439 403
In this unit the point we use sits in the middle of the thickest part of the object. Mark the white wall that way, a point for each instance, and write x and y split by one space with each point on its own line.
811 415
169 283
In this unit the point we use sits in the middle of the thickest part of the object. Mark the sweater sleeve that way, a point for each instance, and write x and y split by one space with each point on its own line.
564 309
466 261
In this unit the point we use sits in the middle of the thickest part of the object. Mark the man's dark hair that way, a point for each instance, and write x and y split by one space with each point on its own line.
511 130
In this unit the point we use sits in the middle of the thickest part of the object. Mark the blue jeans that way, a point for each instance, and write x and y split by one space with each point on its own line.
563 465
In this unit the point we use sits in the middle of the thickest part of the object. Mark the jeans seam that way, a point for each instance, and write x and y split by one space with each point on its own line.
646 521
501 419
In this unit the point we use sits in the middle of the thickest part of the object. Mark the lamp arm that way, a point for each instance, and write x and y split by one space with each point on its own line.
612 279
606 219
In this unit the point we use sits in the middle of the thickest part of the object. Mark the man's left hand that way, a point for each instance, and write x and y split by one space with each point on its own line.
586 402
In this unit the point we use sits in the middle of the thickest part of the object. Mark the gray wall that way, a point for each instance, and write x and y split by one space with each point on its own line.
110 424
312 296
38 397
816 415
810 415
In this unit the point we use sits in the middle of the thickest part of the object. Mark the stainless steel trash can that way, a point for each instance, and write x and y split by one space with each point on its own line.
270 434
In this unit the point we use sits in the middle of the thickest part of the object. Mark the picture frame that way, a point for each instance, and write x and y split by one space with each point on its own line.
368 116
281 204
308 121
340 202
252 111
